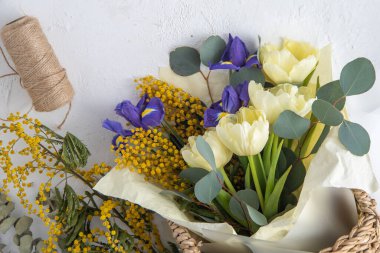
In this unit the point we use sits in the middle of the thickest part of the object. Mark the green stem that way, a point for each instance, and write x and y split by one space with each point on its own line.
227 180
256 181
247 178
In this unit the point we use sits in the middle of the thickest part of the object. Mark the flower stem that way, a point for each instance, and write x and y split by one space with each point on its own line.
256 181
227 181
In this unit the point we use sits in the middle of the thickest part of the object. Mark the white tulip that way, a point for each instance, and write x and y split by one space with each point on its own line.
280 98
244 133
290 63
193 158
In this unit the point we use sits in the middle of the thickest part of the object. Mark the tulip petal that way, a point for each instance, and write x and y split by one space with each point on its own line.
275 73
230 100
302 69
300 50
153 113
130 112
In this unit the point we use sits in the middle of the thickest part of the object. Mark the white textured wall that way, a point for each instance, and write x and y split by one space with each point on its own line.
104 44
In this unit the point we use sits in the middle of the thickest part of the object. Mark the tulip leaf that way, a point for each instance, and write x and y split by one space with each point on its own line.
289 125
296 176
322 137
358 76
326 113
206 152
354 137
185 61
332 93
208 187
193 174
212 50
247 74
271 205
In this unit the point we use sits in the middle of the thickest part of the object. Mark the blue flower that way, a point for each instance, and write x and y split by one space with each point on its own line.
117 128
232 100
236 56
145 114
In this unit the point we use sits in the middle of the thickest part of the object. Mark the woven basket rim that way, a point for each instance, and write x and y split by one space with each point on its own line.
363 238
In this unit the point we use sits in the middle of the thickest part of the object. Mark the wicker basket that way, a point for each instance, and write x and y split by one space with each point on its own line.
363 238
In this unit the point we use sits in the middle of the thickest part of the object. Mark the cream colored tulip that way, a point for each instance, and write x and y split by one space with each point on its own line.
280 98
290 63
244 133
193 158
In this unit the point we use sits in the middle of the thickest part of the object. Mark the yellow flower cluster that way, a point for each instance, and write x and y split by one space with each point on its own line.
24 136
181 109
137 219
151 153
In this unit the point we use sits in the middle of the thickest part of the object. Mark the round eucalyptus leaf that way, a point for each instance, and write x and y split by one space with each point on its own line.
354 137
256 216
332 93
247 74
6 224
327 113
193 174
206 152
208 187
26 242
358 76
212 50
185 61
237 209
289 125
5 210
249 197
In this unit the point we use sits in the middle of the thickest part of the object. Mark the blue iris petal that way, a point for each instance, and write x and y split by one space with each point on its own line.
116 127
230 100
252 60
226 53
130 112
212 117
142 103
242 91
238 52
153 113
224 65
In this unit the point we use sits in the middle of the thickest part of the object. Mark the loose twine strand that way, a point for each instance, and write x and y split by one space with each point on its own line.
37 65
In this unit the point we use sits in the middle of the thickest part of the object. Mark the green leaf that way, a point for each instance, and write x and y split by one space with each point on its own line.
357 77
193 174
322 137
249 197
75 153
206 152
290 126
6 224
332 93
23 224
212 50
247 74
185 61
271 205
256 216
296 176
308 78
26 242
208 187
326 113
354 137
5 210
238 210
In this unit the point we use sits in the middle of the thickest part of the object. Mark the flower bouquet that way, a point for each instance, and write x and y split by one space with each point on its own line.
254 148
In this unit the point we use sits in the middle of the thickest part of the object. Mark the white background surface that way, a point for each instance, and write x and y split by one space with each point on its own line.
104 44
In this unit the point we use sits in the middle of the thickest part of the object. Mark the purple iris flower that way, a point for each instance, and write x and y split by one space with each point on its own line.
145 114
117 128
232 100
236 56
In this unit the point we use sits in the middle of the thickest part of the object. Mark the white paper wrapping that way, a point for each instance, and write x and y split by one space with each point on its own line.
326 208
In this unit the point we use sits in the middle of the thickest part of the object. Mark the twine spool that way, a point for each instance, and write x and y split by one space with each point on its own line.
37 65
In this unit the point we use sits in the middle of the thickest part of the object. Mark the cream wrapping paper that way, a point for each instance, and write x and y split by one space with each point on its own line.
326 208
